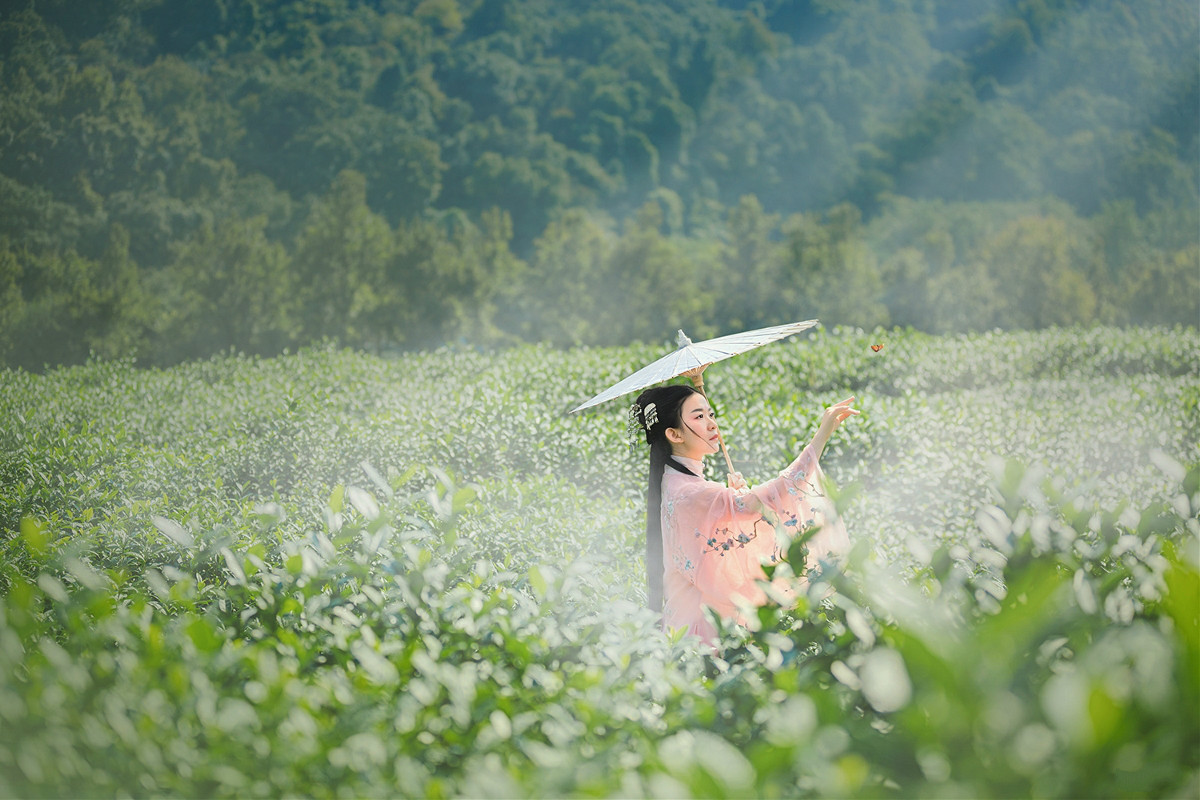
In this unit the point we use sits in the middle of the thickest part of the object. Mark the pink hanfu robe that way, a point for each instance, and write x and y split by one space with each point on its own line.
715 539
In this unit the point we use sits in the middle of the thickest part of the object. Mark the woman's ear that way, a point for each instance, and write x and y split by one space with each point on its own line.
674 435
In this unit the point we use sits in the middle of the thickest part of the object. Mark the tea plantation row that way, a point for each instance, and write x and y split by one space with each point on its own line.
336 574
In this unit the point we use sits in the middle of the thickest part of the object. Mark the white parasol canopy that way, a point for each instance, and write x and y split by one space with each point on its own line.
696 356
692 355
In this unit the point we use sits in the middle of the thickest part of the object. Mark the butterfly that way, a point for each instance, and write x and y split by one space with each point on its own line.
876 347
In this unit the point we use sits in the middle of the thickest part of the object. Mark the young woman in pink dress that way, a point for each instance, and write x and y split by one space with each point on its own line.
705 541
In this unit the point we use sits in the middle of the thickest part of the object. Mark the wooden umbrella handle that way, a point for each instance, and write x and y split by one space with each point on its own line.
697 376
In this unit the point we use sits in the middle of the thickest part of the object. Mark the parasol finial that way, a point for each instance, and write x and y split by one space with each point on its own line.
681 339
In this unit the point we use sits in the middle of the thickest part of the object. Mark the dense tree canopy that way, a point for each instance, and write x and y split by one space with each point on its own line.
412 172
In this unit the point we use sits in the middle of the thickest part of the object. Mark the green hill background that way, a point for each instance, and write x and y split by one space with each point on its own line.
183 177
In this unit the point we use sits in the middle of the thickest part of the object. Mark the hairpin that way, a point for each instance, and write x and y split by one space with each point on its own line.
650 414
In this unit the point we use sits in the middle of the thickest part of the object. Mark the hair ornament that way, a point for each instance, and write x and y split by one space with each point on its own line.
650 414
641 421
634 431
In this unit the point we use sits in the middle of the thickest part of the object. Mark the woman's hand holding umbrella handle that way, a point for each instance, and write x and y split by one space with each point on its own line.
736 481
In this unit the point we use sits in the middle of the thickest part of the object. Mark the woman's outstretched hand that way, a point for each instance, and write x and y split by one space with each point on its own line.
834 416
836 413
736 481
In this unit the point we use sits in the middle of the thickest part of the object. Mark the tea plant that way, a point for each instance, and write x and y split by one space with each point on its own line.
335 574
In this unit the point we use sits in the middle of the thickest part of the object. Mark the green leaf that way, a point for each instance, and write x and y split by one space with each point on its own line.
235 565
537 581
462 499
363 502
82 572
53 588
203 635
172 530
335 501
378 668
36 536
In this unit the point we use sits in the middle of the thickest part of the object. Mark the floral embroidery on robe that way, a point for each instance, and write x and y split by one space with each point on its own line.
715 539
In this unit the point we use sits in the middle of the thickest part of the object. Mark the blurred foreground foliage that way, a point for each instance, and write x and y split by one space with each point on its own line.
243 577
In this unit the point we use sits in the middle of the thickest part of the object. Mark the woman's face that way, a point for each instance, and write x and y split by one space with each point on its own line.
697 434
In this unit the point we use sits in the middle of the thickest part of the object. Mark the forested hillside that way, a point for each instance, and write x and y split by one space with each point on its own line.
181 177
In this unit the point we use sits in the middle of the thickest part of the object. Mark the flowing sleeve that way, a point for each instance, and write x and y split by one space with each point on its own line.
723 536
798 497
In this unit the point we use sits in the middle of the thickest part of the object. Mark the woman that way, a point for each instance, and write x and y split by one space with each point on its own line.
706 543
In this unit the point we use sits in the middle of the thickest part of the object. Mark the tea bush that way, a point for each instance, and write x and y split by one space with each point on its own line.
331 574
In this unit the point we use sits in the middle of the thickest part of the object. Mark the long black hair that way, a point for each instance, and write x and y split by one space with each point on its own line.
656 410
